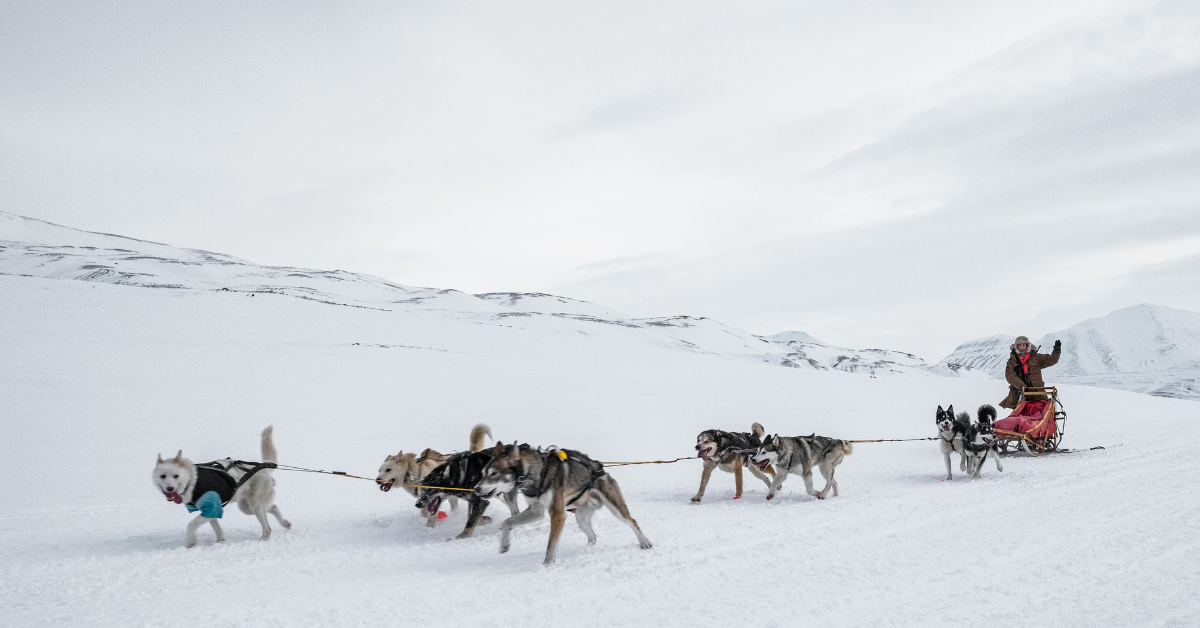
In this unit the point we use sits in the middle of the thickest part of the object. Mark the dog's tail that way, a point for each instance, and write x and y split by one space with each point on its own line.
757 430
268 445
477 434
986 411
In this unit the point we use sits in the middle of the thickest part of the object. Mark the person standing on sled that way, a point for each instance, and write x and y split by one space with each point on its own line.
1024 368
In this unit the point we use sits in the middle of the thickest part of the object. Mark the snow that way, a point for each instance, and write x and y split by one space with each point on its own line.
99 376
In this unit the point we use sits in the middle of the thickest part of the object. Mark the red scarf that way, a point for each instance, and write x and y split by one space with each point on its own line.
1025 361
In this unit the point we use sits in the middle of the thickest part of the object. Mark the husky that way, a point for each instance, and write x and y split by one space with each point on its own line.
558 480
461 471
980 440
408 469
730 451
951 430
799 454
216 483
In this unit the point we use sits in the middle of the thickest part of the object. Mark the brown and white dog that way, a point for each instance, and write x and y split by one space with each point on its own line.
408 469
730 451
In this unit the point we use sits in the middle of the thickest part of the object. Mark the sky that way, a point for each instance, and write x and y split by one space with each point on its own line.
878 174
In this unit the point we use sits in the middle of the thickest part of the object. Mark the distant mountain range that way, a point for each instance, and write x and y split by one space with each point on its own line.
36 248
1146 348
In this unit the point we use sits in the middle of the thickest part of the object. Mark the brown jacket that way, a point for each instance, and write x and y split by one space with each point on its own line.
1037 362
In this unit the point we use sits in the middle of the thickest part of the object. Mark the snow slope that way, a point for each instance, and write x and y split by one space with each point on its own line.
1144 348
35 248
99 377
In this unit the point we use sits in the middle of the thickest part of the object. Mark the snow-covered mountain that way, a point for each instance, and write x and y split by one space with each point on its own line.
36 248
1144 348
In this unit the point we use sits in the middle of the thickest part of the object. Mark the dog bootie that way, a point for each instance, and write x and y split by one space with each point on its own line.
209 505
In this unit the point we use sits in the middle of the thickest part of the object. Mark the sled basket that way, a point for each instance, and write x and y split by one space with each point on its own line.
1035 426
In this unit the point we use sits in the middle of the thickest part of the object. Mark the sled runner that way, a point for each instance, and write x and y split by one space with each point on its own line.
1035 425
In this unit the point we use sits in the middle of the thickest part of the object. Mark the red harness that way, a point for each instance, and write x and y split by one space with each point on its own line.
1025 361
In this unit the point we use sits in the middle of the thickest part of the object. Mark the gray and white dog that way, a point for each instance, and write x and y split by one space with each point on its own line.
554 480
980 440
951 430
798 455
184 482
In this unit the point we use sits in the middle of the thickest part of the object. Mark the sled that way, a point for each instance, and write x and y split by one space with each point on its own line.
1035 426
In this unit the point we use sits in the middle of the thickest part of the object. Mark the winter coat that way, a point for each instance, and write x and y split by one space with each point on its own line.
1015 373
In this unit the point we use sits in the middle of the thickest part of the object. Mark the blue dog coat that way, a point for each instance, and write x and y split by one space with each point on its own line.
209 505
214 488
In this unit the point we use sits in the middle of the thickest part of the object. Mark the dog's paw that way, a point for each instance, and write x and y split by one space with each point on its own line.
287 525
696 500
770 496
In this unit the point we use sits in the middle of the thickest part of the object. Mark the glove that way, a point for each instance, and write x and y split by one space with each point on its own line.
1058 345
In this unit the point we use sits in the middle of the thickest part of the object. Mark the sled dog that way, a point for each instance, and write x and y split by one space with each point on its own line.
798 455
951 430
461 471
980 440
408 469
729 451
554 480
213 484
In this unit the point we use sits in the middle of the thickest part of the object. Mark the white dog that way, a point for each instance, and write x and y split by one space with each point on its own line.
206 488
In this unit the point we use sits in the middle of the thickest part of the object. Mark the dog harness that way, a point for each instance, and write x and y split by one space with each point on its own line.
215 487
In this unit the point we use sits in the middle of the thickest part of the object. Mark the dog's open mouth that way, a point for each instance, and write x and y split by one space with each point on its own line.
386 486
762 465
486 495
432 508
704 454
172 496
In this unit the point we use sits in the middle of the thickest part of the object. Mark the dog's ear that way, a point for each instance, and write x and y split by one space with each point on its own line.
940 410
160 460
178 456
950 410
514 454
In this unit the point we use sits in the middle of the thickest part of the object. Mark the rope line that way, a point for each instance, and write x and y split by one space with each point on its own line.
891 440
621 464
288 467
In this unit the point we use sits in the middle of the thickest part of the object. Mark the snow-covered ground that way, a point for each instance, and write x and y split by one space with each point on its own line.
99 377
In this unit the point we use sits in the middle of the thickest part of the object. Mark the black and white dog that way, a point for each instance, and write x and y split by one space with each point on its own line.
458 477
980 440
951 430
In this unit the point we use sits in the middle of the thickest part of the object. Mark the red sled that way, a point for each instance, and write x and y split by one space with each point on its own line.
1035 425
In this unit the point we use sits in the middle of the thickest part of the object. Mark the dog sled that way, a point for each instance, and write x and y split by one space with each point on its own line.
1035 426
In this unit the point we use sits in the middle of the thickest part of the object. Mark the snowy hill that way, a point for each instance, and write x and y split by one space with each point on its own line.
34 248
1145 348
172 348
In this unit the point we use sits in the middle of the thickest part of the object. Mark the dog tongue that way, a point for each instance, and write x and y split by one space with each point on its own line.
174 497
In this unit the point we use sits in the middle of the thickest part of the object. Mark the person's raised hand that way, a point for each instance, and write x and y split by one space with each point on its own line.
1057 345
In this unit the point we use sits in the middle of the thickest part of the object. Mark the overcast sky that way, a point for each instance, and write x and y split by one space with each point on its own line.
878 174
